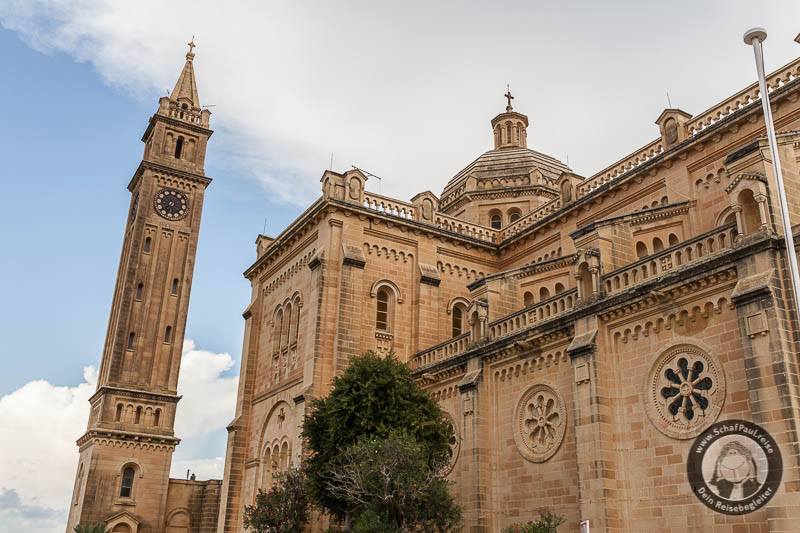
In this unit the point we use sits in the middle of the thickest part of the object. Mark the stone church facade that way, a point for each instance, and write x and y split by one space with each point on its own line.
585 335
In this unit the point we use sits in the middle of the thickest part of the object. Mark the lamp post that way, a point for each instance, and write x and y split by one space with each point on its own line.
755 37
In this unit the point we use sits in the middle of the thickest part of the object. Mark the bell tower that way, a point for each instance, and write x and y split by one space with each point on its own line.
126 452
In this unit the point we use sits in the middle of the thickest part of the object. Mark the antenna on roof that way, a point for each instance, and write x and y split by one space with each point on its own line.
331 167
380 179
669 102
264 231
567 159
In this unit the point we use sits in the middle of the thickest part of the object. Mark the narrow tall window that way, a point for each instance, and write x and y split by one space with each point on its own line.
174 289
131 338
147 242
178 147
276 332
118 415
168 334
137 419
139 291
458 320
126 487
496 220
157 417
382 314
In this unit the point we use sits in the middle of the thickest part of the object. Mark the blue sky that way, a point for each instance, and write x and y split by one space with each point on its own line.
70 145
405 90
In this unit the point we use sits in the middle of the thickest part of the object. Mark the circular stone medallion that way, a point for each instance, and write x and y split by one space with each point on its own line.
685 391
455 444
734 467
540 421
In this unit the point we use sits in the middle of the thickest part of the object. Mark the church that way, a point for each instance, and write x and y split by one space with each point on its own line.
619 348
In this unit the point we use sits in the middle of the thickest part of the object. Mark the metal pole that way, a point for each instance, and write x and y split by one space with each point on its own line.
755 37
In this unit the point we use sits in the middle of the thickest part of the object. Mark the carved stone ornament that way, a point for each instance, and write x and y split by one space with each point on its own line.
455 444
540 421
685 391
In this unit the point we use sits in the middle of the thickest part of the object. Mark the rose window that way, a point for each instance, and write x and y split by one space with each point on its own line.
540 423
685 391
454 443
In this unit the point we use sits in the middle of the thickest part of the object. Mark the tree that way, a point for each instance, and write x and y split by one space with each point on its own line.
391 488
548 523
99 527
284 508
372 398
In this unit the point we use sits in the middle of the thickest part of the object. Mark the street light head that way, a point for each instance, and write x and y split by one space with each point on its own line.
755 33
797 39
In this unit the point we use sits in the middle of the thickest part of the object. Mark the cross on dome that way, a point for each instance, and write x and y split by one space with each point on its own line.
509 98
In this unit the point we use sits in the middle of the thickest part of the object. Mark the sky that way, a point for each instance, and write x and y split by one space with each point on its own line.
404 90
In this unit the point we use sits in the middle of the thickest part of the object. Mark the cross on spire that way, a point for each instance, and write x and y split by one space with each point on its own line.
190 53
509 98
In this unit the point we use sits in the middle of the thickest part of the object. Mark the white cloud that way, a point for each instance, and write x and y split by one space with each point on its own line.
406 90
41 422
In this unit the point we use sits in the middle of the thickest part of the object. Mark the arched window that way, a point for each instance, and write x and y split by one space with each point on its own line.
178 147
382 313
174 289
544 293
528 298
287 325
559 288
641 249
278 327
126 486
673 239
585 280
458 319
157 417
146 247
475 326
566 191
751 218
131 338
295 322
514 214
139 291
118 414
137 419
168 334
657 245
496 219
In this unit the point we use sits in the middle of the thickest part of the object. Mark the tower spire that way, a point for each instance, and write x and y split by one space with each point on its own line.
186 87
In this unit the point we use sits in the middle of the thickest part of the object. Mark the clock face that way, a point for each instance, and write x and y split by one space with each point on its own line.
171 204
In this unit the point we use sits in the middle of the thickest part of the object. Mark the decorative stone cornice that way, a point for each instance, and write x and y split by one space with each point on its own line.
135 393
127 439
163 169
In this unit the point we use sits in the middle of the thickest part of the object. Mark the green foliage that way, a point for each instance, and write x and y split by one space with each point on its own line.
389 487
284 508
99 527
373 397
548 523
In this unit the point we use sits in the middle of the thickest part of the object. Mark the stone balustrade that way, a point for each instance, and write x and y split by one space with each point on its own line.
465 228
441 351
610 173
537 214
544 310
389 206
674 257
743 98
